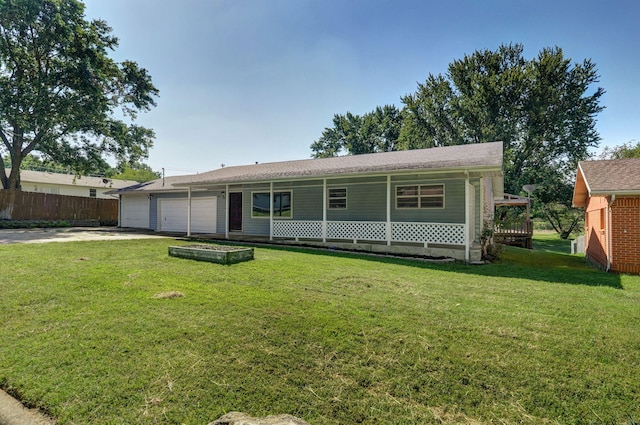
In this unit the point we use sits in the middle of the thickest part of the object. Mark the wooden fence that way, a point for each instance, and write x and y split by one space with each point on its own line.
18 205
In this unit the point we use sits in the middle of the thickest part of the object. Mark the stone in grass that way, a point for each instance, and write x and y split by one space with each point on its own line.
238 418
221 254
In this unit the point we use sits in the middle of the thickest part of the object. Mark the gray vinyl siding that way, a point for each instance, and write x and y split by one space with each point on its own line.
365 202
454 204
250 225
307 203
356 180
221 219
477 214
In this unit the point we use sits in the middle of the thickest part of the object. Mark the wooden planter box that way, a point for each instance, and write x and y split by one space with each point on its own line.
213 253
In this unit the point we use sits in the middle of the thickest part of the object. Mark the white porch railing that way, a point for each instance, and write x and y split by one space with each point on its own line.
425 233
357 230
297 229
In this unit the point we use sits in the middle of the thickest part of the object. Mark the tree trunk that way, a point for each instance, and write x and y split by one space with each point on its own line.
13 182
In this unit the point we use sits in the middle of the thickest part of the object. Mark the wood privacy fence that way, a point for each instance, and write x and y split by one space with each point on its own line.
18 205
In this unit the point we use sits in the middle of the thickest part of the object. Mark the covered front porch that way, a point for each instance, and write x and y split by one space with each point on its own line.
386 235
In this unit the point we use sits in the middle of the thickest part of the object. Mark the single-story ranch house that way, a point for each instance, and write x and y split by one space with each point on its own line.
431 202
610 192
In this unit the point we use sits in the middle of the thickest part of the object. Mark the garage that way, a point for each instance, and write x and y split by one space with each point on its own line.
134 211
172 215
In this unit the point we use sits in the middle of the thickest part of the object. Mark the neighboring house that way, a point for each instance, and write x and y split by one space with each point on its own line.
430 201
70 184
610 192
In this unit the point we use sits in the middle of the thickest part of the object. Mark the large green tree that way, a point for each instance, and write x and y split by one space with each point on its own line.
542 109
139 172
375 131
61 95
623 151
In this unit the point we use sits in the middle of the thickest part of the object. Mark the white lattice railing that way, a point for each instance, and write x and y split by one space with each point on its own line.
297 229
357 230
439 233
426 233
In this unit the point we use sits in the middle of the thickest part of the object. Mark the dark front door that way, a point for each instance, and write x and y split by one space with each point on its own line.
235 211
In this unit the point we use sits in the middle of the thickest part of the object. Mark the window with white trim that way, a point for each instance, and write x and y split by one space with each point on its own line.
337 198
92 193
281 204
420 196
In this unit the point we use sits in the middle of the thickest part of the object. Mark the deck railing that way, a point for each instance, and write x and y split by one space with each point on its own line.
521 228
425 233
517 234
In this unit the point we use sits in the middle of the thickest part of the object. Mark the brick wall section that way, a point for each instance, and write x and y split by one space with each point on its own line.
595 223
625 235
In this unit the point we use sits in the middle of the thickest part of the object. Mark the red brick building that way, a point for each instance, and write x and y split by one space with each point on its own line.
610 192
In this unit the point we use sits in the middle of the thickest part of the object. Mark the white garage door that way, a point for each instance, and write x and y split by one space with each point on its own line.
172 215
203 215
135 211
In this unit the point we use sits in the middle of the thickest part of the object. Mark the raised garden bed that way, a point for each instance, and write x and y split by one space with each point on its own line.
220 254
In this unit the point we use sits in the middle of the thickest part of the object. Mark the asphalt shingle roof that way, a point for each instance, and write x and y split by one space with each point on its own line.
606 177
451 157
72 180
617 175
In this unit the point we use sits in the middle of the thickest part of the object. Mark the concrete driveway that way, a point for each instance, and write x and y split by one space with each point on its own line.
69 234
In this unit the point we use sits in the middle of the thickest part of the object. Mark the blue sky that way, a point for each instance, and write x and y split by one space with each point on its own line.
258 80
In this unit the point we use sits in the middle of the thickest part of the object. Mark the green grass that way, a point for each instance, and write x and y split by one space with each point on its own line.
328 337
550 242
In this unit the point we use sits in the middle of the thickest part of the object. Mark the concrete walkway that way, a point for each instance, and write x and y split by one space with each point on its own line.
12 412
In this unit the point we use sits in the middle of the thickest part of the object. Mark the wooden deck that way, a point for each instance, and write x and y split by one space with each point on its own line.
517 234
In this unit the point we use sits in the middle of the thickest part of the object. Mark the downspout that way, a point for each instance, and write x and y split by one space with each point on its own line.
189 211
607 232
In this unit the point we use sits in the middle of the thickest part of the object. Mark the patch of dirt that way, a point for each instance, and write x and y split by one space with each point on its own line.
220 248
170 294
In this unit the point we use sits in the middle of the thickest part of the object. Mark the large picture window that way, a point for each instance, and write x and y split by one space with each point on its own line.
420 196
281 205
338 198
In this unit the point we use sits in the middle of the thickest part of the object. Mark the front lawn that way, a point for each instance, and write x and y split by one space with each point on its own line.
121 333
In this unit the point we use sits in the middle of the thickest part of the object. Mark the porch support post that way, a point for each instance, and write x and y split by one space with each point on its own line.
388 227
467 217
189 211
324 210
226 211
271 210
